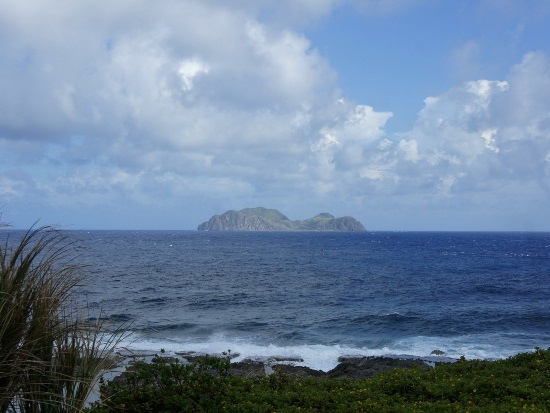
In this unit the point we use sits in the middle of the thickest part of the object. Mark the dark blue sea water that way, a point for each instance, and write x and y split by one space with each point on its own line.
319 295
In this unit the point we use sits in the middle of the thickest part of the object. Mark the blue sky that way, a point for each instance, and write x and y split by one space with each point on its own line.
408 115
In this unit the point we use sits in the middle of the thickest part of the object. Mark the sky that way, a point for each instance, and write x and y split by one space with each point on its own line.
409 115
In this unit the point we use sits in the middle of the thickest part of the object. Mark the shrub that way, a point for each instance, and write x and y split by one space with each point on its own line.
168 386
517 384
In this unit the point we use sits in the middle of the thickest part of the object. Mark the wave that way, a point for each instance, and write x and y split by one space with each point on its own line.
325 357
316 356
154 300
250 325
385 318
173 327
115 318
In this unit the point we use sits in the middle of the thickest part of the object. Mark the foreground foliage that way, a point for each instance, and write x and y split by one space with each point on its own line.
518 384
49 358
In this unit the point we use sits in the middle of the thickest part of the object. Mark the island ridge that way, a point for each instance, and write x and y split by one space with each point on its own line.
263 219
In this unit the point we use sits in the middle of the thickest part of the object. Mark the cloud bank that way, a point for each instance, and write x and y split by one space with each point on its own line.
193 107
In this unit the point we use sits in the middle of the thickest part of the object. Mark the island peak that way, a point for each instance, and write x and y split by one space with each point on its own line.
264 219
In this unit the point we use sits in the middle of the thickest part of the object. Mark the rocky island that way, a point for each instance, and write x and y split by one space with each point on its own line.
263 219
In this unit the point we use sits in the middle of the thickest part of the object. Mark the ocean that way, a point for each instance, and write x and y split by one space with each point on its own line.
320 295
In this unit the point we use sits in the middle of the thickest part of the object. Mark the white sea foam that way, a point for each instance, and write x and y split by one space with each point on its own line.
325 357
315 356
474 346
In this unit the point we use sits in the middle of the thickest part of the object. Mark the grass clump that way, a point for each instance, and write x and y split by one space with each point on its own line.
517 384
49 358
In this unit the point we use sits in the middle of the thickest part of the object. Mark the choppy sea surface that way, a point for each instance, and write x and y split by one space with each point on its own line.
320 295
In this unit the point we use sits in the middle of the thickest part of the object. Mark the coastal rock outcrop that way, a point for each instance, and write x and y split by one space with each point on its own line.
263 219
366 367
347 368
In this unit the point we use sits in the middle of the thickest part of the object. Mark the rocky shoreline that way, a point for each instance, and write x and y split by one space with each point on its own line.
353 367
348 367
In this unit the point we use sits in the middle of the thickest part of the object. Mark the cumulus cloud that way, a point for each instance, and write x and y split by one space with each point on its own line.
481 134
160 103
131 98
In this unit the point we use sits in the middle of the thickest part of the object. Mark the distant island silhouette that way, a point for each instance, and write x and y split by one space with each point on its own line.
263 219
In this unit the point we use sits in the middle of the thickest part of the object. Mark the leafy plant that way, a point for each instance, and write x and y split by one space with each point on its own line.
49 358
168 385
517 384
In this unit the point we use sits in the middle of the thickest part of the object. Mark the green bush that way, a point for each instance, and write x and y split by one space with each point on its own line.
517 384
165 386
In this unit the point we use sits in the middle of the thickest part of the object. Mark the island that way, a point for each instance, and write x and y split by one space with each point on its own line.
263 219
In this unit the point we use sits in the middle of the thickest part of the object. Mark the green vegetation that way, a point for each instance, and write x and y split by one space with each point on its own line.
319 220
517 384
268 214
49 357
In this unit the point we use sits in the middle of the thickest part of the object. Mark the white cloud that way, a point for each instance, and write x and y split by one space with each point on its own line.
357 124
189 69
153 81
340 153
474 139
446 183
483 133
365 124
450 125
290 71
11 188
159 94
409 150
488 135
169 101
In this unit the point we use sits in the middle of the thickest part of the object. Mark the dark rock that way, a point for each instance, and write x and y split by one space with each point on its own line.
366 367
261 368
192 356
298 371
285 359
164 359
349 367
248 369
